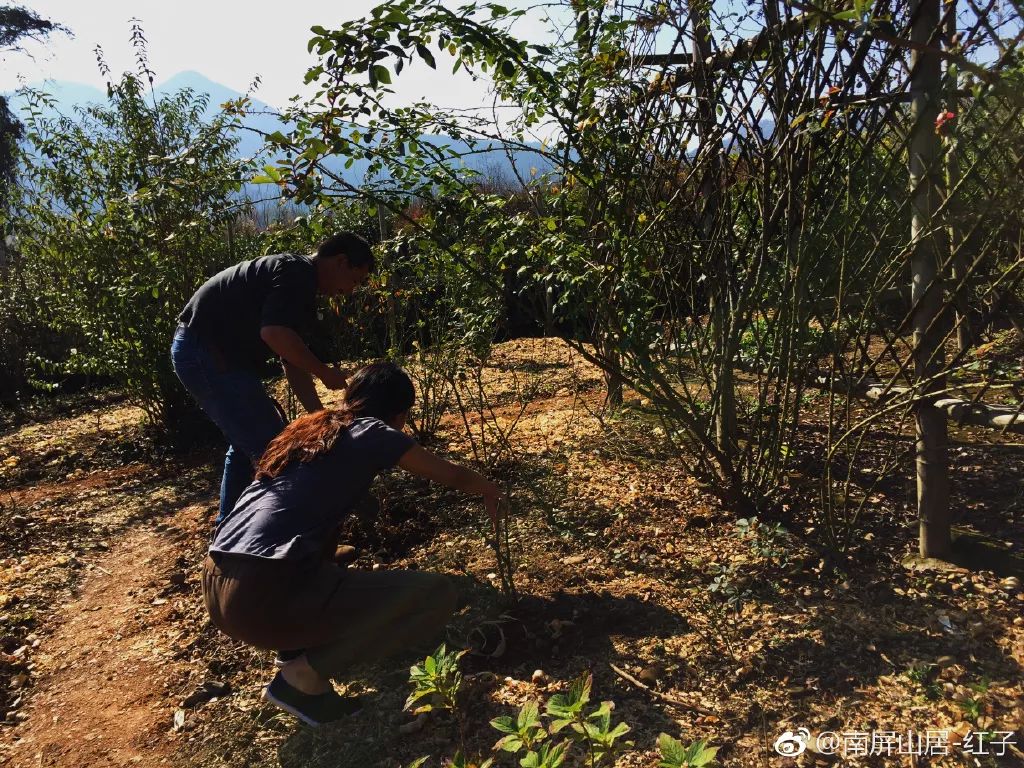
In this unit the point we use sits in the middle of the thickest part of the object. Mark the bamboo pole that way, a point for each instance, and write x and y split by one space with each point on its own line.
964 412
958 259
929 251
746 50
709 154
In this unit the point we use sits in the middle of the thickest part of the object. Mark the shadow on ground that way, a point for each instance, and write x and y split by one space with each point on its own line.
564 633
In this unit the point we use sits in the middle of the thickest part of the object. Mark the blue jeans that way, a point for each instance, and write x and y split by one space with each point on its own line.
236 402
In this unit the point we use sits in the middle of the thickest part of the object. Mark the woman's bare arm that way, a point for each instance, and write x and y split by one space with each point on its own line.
419 461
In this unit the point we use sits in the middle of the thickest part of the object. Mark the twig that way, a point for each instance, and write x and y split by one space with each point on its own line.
661 696
502 545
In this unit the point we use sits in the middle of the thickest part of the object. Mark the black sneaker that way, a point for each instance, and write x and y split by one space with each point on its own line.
312 709
283 657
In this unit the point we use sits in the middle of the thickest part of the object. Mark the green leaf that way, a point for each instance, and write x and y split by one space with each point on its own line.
619 730
705 756
528 715
799 119
603 714
397 16
505 724
426 55
558 724
381 74
510 743
672 752
579 689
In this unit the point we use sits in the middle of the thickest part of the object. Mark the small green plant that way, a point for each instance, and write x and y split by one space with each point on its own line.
675 755
765 540
920 673
601 736
525 731
726 586
461 761
971 707
923 674
546 756
594 733
592 739
981 686
436 682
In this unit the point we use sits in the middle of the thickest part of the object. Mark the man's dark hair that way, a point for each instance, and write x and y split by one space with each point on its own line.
355 248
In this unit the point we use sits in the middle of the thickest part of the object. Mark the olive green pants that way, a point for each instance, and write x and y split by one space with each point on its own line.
340 617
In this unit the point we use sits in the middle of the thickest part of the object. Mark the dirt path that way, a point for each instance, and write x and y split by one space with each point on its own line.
110 674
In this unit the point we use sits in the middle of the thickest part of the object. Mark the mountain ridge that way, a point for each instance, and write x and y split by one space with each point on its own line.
263 118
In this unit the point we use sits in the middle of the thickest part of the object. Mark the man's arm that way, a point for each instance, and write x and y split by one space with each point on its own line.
289 346
302 385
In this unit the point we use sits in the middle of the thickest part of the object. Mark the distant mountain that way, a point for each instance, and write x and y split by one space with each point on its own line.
200 83
67 95
489 158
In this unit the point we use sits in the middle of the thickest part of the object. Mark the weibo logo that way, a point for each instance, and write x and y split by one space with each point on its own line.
791 744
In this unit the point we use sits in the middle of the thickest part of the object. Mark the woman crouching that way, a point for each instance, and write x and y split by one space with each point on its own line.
269 579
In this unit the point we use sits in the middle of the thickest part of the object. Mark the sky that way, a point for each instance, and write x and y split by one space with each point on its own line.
228 41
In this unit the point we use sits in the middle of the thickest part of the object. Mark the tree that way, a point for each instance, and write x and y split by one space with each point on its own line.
727 219
16 24
125 213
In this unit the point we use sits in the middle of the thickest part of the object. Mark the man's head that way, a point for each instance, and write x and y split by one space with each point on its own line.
343 262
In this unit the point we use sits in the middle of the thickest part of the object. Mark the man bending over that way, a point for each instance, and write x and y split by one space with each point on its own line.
241 317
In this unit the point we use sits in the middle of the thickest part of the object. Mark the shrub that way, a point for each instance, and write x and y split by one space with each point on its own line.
128 207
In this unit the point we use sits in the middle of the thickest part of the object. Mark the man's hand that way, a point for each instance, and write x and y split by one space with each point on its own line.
290 347
334 378
302 385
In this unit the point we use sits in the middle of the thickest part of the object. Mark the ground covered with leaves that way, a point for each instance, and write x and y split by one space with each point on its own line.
693 622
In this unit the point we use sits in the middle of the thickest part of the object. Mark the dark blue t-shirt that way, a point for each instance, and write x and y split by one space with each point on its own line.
229 310
292 516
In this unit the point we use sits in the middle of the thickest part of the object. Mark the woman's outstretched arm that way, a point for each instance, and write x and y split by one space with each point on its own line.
420 461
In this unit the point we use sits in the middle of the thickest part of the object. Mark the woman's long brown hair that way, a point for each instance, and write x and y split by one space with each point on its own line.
382 390
304 439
